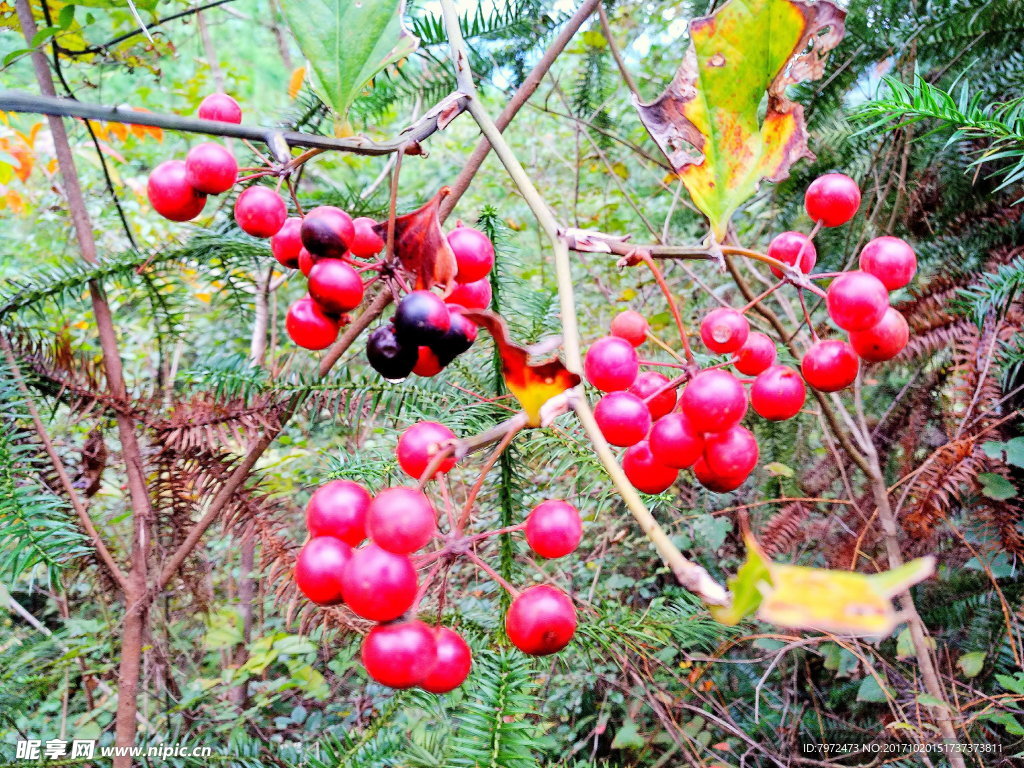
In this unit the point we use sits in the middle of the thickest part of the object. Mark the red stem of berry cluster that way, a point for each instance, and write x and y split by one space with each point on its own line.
673 307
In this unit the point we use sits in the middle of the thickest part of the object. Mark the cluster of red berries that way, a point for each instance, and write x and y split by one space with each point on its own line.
178 189
664 432
427 332
378 580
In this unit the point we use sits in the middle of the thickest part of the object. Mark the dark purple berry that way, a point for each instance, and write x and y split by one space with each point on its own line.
388 356
459 337
327 231
422 318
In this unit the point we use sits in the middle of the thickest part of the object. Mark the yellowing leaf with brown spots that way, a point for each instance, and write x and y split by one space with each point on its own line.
707 121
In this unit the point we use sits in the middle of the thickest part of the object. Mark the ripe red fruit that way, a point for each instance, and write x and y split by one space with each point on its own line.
309 326
830 365
756 354
454 661
623 417
419 444
795 249
318 569
475 295
427 363
365 242
286 243
377 584
260 211
724 330
401 520
631 326
400 655
327 231
211 168
832 199
554 529
714 400
220 107
715 482
421 318
646 384
675 443
474 253
541 620
338 508
856 300
778 393
889 259
883 341
731 453
391 358
171 195
335 286
306 261
611 364
645 472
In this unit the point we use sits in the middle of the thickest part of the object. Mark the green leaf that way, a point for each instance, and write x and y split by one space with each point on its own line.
971 663
224 630
1015 452
745 587
779 469
996 486
993 449
347 44
708 122
871 691
928 700
16 53
66 17
42 35
628 737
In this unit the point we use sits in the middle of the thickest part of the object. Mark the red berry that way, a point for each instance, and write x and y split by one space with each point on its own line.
327 231
427 363
286 244
541 620
335 286
830 365
338 508
724 330
220 107
631 326
401 520
715 482
623 417
421 318
756 354
474 253
365 243
400 655
646 384
778 393
856 301
419 444
832 199
306 261
318 569
795 249
554 529
611 364
260 211
889 259
379 585
171 195
454 661
309 326
211 168
475 295
714 400
675 443
883 341
645 472
731 453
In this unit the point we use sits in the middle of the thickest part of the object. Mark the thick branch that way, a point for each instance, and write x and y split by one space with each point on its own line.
434 120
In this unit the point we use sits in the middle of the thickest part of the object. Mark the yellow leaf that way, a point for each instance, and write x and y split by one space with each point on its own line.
204 297
295 82
81 325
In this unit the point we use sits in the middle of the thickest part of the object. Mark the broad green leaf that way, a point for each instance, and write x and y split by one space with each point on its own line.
928 700
347 44
746 587
224 630
1015 452
628 737
993 449
870 690
707 121
972 663
996 486
779 469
